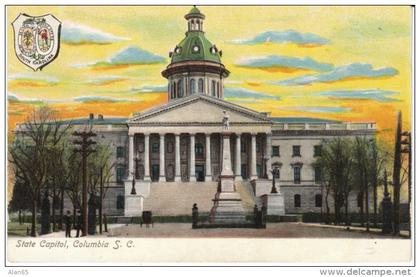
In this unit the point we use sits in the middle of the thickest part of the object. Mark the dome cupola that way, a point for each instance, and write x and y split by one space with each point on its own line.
196 65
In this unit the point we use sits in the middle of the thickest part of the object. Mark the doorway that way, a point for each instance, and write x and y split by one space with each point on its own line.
155 173
199 172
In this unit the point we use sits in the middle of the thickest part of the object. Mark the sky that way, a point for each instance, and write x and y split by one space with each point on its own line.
345 63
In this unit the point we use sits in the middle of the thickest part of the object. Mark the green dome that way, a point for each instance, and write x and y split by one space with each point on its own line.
195 47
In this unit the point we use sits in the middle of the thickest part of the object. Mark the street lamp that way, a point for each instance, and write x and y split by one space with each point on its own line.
274 171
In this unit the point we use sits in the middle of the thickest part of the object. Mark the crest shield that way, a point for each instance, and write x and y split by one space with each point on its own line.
37 39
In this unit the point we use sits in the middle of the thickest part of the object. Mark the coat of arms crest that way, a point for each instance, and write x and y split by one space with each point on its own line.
37 39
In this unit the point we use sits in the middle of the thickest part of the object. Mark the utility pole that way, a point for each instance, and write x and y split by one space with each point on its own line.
101 190
85 142
406 142
396 176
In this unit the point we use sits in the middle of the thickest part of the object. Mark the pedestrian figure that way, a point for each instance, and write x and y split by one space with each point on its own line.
78 223
194 215
68 223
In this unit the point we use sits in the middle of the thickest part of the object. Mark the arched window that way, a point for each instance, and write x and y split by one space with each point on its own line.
318 200
213 88
297 200
200 85
173 92
180 89
193 88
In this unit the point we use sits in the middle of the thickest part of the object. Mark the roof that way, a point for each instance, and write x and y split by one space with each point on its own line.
184 50
302 120
96 121
194 12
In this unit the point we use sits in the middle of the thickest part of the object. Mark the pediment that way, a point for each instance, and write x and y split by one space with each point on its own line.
198 109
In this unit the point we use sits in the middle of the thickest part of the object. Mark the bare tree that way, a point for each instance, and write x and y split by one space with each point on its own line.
30 152
100 171
336 164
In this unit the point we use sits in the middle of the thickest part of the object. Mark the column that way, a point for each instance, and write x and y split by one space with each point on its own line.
177 159
192 158
253 156
146 157
162 158
268 156
130 156
238 175
208 177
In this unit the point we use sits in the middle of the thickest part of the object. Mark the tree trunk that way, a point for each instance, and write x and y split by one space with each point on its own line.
362 214
33 221
60 226
367 203
346 210
336 208
20 216
375 204
327 218
54 224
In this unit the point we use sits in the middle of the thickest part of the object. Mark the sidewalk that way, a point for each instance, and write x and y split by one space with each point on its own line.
378 231
62 234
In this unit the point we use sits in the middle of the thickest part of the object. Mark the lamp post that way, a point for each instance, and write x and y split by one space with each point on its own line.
274 171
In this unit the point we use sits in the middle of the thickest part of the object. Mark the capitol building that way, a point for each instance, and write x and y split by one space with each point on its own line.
172 153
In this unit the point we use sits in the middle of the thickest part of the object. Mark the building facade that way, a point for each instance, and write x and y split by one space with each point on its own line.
172 152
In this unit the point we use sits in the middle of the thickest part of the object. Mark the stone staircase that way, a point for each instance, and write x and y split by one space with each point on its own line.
177 198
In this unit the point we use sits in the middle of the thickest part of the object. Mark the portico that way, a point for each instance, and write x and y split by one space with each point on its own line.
164 149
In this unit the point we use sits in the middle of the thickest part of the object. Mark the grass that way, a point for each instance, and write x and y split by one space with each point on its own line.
15 229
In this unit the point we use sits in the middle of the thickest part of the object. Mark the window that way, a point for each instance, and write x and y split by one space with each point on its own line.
275 151
120 202
120 174
120 152
297 200
243 147
258 147
173 92
155 147
296 151
318 200
317 150
318 175
199 149
180 88
296 175
213 88
200 85
218 90
193 89
196 49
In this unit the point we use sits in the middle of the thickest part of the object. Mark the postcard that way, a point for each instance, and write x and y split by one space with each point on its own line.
196 134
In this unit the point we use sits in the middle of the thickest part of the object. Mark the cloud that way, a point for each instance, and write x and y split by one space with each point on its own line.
290 36
354 70
14 98
284 63
318 109
132 55
373 94
244 93
80 34
105 80
150 88
89 99
30 80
